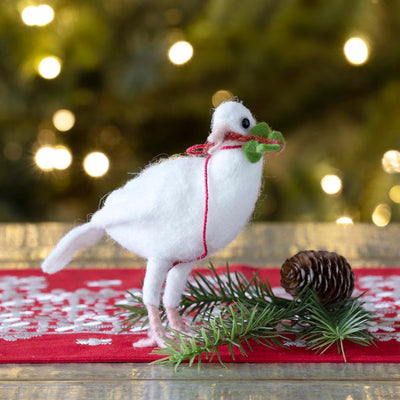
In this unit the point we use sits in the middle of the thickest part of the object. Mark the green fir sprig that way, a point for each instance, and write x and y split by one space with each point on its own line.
325 326
205 293
233 327
231 310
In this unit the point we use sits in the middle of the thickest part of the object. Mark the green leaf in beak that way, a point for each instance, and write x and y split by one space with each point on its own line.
261 130
275 135
261 148
250 149
254 150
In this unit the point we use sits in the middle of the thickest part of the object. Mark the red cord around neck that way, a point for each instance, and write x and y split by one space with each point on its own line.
202 149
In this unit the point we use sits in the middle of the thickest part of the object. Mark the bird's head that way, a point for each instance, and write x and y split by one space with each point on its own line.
230 116
233 123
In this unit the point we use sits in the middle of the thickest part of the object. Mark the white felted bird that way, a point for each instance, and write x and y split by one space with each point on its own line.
181 210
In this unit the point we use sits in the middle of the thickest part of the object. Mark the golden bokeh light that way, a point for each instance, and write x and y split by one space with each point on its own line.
37 15
63 120
180 52
48 158
331 184
391 162
394 194
28 15
220 96
356 51
381 215
62 158
44 158
45 15
96 164
50 67
344 221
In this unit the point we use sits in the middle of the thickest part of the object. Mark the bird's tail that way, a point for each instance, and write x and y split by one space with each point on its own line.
79 237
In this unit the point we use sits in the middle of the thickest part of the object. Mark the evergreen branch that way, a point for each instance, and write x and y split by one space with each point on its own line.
231 310
136 314
208 292
324 326
233 327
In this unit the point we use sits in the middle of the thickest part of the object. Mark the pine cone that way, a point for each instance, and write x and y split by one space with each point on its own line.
329 273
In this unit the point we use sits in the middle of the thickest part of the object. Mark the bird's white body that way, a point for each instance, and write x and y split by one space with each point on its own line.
161 212
162 216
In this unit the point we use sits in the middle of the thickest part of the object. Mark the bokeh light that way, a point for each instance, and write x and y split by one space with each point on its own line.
48 158
331 184
37 15
344 221
96 164
394 194
180 52
28 15
44 158
391 161
220 96
356 51
45 15
381 215
49 67
62 158
64 120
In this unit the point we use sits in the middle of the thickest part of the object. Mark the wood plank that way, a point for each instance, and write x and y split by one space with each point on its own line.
198 390
233 372
261 244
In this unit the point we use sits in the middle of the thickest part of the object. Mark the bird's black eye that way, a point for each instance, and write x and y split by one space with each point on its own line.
245 123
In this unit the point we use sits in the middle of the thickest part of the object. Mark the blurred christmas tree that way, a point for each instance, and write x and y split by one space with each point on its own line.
96 76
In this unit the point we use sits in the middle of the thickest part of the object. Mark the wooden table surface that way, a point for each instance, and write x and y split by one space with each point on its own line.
25 245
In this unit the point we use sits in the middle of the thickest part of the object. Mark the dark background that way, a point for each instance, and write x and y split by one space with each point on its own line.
283 58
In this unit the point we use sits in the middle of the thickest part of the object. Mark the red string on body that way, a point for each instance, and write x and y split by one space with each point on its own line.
202 149
205 253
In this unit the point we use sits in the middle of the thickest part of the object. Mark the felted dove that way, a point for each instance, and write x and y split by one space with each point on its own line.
181 210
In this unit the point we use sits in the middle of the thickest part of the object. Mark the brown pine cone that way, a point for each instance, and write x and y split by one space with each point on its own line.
329 273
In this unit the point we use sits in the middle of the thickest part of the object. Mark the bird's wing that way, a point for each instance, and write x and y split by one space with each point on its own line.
159 190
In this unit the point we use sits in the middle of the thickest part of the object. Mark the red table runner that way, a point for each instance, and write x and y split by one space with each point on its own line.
70 317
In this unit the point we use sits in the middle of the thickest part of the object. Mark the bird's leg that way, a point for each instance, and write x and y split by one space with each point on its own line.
155 277
175 285
175 319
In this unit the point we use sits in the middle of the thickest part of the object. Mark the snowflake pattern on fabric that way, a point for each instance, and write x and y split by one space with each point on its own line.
30 308
383 298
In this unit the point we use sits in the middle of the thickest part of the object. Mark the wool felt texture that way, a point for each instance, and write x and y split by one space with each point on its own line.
70 317
177 211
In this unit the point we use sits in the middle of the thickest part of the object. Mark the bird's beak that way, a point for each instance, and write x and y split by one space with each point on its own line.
262 139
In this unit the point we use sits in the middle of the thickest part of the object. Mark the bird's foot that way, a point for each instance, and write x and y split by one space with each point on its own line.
153 340
156 335
175 320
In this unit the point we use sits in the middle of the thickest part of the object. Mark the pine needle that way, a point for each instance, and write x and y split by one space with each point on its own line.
232 311
233 328
325 326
